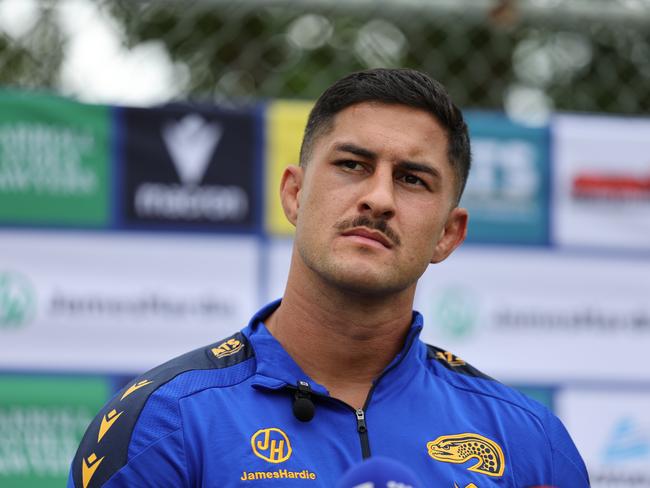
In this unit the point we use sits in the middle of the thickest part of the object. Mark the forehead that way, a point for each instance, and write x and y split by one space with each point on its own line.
387 126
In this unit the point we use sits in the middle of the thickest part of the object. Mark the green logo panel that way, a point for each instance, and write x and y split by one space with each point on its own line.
456 312
54 161
17 300
42 420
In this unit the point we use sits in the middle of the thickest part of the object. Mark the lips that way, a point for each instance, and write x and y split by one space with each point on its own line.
369 234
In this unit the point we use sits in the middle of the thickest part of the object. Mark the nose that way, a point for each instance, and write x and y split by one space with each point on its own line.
378 198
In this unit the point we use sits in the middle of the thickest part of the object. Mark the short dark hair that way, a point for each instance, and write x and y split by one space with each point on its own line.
393 86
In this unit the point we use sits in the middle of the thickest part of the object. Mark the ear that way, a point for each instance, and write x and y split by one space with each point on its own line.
453 234
290 187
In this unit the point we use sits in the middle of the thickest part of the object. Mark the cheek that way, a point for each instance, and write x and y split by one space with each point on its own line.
424 240
325 203
315 216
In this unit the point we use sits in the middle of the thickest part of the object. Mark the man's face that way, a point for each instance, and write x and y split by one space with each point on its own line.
375 204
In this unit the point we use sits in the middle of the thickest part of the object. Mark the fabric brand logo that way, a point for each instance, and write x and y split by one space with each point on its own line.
471 485
191 142
89 467
134 387
90 464
272 445
17 300
107 422
627 442
461 448
228 348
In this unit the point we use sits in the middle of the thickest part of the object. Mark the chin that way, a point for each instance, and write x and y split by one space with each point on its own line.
366 282
358 274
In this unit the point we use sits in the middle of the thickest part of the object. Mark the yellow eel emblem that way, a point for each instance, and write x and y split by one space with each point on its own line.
460 448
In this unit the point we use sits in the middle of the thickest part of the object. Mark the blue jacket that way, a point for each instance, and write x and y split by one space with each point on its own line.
222 416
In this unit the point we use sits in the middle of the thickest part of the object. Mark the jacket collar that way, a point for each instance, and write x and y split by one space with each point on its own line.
276 369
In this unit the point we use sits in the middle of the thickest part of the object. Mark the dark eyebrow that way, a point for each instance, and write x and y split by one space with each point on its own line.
354 149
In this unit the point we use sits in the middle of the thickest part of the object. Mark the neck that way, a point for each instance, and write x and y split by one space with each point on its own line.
342 340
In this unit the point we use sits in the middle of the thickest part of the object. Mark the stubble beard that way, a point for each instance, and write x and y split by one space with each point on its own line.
373 280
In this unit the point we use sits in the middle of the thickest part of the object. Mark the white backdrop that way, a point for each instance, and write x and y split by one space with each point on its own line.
121 303
615 153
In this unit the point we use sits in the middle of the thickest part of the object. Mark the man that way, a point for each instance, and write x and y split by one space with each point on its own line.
335 372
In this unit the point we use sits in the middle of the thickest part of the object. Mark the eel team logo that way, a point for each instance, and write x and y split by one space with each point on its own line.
228 348
271 444
460 448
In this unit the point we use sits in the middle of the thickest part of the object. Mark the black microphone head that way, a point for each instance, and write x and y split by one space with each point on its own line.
303 409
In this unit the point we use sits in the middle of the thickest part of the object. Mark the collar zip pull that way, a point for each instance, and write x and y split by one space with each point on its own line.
361 420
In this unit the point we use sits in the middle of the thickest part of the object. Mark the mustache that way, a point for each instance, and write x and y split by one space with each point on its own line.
375 224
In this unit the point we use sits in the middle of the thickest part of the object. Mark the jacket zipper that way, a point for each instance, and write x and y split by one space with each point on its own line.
362 429
360 413
363 433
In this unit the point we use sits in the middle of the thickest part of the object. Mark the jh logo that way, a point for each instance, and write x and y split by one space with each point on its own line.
271 444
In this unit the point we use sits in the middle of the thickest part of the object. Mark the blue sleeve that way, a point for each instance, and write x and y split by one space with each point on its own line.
135 440
160 465
569 470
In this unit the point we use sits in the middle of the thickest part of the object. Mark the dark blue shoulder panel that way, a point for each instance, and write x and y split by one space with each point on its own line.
454 363
104 447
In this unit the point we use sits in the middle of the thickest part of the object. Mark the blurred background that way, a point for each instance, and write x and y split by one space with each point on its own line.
141 145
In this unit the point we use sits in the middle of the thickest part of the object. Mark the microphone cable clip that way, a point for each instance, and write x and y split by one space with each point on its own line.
303 406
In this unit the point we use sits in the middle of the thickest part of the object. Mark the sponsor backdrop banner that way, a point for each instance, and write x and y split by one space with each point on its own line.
285 124
53 161
601 168
507 190
42 420
530 315
190 167
611 428
119 303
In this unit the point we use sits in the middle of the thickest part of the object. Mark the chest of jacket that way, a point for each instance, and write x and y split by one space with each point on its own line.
246 436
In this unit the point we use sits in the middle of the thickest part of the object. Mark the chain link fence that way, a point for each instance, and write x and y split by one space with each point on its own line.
526 57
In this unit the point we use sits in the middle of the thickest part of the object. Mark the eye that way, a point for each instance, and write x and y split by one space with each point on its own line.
350 165
413 180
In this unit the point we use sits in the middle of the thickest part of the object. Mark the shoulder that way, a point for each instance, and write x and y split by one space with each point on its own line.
523 415
467 381
146 409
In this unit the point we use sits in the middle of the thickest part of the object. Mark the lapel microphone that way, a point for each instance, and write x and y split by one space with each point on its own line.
303 406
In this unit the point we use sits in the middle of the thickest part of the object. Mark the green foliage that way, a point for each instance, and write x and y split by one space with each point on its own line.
255 49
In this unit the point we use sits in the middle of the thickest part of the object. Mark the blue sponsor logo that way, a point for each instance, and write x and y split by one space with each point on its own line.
627 442
508 187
